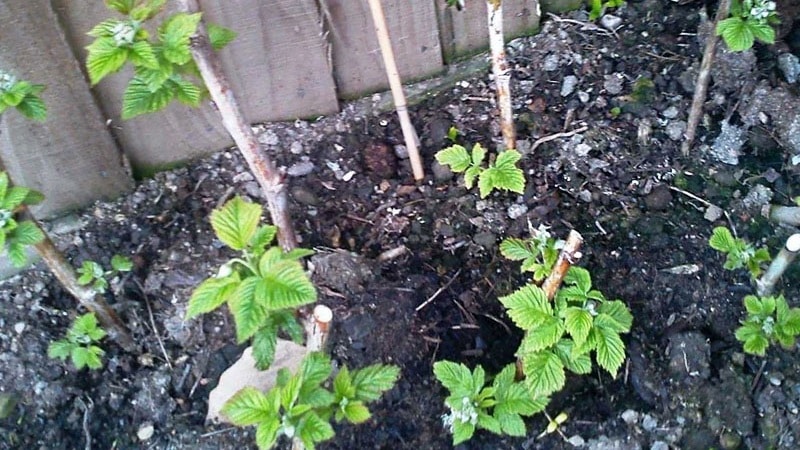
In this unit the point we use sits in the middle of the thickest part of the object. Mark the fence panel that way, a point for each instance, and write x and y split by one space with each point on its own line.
358 66
71 157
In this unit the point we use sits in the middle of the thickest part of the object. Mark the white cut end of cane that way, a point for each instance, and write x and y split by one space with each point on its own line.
793 243
323 314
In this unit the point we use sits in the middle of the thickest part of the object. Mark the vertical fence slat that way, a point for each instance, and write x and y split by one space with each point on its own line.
71 157
358 67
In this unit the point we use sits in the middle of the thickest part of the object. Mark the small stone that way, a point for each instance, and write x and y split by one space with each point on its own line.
585 196
401 151
550 62
583 96
576 441
610 22
790 66
485 239
728 144
145 431
675 130
775 381
630 416
613 83
269 138
304 196
649 423
569 84
300 169
670 113
296 148
441 172
254 190
19 327
659 445
659 198
517 210
713 213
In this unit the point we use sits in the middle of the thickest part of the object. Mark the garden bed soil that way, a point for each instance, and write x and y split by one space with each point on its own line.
620 181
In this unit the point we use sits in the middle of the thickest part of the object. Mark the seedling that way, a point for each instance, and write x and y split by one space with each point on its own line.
502 174
615 112
554 424
263 287
21 95
769 321
749 21
452 134
92 273
598 7
300 407
538 254
80 344
474 404
16 236
739 253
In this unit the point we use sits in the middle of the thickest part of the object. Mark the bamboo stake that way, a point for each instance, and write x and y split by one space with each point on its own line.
271 180
409 134
788 253
501 71
701 86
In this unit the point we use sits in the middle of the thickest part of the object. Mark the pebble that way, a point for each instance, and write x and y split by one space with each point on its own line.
300 169
401 151
583 96
254 190
145 431
576 441
675 130
304 196
485 239
296 148
19 327
713 213
649 423
790 66
670 113
613 83
659 445
569 84
630 416
517 210
610 22
441 172
269 138
550 62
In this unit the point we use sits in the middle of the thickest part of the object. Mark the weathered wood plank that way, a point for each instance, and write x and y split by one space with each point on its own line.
465 32
71 157
277 65
358 67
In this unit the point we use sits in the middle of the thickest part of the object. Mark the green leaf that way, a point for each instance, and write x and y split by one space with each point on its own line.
4 183
762 31
220 36
16 254
312 429
722 240
121 263
372 381
286 321
736 33
174 34
187 92
343 384
284 285
610 349
264 344
262 237
236 222
455 156
462 431
478 155
454 376
752 305
33 108
608 323
315 369
142 54
489 423
87 357
544 373
511 424
88 271
139 99
572 358
578 323
790 321
248 311
516 249
470 175
148 10
542 336
290 392
155 78
267 432
503 175
27 233
580 277
528 307
60 349
249 407
84 324
356 412
14 95
211 293
618 311
33 198
121 6
755 342
104 58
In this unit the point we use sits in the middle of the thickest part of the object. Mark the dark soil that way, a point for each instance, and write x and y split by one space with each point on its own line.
621 182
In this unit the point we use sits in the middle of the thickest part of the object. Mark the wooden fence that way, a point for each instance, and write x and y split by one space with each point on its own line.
291 59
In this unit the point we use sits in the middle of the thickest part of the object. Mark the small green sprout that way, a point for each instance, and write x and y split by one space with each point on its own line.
21 95
749 21
15 235
452 134
769 320
538 254
615 112
79 344
740 253
92 273
502 174
598 7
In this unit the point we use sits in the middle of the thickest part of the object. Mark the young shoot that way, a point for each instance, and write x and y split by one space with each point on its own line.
92 274
301 407
598 7
262 287
80 344
749 21
739 253
15 235
538 254
769 321
21 95
474 404
502 174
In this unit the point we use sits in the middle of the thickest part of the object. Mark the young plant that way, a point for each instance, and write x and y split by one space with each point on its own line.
21 95
561 334
538 254
749 21
502 174
740 253
263 287
769 321
80 344
598 7
16 235
474 404
92 273
301 407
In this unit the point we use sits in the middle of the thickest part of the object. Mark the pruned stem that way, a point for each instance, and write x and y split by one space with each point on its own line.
788 253
271 180
501 71
409 134
570 254
318 328
87 297
701 86
789 215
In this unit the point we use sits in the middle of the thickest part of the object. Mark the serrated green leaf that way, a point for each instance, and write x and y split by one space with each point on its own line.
174 34
27 233
574 358
249 407
516 249
267 432
618 311
455 377
542 336
290 392
736 33
608 323
511 424
356 412
121 263
4 184
315 369
790 321
142 54
147 10
503 380
578 323
762 31
104 58
210 294
752 305
288 322
768 305
544 373
87 357
121 6
219 36
262 237
187 92
60 349
139 99
372 381
84 323
343 384
478 155
248 311
33 108
722 240
312 429
88 271
610 350
33 198
455 156
489 423
504 174
579 277
528 307
285 285
264 343
471 175
13 96
155 78
462 431
16 254
236 222
753 338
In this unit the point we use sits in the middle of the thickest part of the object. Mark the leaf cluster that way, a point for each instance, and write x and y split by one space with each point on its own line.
474 404
739 253
79 344
16 235
92 274
561 334
538 254
300 406
262 288
163 64
749 21
769 320
23 96
598 7
502 174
